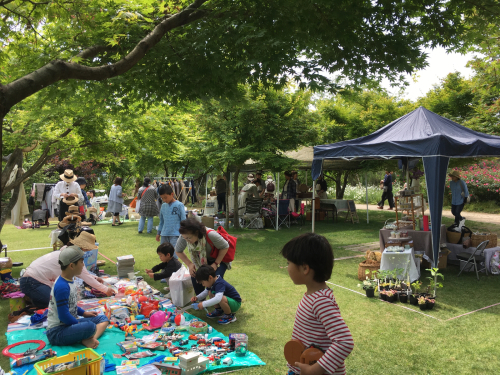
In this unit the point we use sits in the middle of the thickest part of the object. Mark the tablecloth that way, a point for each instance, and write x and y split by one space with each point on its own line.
422 240
341 204
405 260
458 248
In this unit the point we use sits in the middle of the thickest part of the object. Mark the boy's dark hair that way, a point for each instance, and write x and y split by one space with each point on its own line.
204 272
91 191
313 250
192 226
165 189
165 248
287 173
118 181
64 267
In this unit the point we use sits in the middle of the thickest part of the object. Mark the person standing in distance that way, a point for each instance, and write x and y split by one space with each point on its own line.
459 195
171 214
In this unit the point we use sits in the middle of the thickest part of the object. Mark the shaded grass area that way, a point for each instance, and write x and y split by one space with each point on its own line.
415 343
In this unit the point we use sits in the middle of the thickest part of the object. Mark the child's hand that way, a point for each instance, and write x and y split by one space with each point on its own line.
200 306
151 275
148 271
90 314
194 299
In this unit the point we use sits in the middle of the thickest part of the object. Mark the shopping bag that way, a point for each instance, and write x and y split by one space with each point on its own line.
133 203
181 287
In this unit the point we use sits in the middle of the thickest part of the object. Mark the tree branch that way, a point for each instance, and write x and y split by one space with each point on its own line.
58 70
91 52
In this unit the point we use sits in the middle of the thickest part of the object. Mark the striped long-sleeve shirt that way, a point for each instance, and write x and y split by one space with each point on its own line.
318 321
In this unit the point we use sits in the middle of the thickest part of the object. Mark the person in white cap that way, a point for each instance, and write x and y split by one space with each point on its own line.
65 189
63 326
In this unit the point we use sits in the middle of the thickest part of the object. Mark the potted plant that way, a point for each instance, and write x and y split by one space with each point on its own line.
383 295
416 287
369 285
422 303
390 296
429 303
433 280
403 297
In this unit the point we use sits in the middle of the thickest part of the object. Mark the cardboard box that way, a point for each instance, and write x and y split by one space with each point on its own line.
319 216
443 259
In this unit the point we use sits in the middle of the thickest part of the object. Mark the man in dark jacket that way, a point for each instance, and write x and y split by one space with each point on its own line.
387 194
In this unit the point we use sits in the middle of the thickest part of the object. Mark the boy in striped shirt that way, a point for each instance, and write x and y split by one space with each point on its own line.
317 320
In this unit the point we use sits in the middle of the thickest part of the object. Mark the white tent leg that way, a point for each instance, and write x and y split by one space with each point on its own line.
278 202
367 215
314 206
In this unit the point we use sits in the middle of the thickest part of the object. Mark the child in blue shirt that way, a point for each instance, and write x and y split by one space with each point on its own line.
171 214
223 296
63 326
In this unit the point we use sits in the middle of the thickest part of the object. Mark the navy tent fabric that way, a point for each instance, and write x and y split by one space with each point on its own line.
420 133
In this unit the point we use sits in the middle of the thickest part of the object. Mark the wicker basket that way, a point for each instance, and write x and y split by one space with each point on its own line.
367 265
478 238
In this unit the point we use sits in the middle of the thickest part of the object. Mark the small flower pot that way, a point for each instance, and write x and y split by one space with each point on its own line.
430 305
413 300
383 296
403 298
423 306
370 292
391 298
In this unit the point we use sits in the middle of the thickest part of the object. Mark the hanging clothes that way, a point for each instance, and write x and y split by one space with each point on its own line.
21 208
193 192
183 191
39 188
47 199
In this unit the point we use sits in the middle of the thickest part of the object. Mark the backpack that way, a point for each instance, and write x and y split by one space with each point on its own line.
231 240
270 187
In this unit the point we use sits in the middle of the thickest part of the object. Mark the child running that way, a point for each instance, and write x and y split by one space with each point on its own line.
317 320
63 326
223 296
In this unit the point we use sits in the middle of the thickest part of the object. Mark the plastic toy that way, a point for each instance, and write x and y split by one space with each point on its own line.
6 353
296 351
179 319
33 358
148 308
157 319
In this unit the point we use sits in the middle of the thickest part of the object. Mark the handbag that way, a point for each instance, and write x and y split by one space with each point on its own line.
229 257
133 203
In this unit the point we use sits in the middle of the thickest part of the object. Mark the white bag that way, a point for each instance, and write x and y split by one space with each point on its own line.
181 287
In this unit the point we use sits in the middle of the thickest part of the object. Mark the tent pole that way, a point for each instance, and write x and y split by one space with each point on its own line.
313 206
367 215
229 198
278 201
206 195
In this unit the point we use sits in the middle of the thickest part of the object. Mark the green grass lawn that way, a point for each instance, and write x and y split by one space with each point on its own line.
414 343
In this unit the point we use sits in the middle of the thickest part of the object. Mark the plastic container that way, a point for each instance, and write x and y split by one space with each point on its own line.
240 343
93 367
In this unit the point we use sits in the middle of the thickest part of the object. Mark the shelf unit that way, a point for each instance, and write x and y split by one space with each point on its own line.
406 207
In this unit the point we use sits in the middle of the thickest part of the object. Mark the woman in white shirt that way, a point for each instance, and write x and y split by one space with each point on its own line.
65 189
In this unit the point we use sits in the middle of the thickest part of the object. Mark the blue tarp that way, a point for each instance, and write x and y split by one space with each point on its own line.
420 133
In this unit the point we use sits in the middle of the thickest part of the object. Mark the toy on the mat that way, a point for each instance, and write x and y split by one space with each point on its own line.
32 358
179 319
296 351
6 353
157 319
148 307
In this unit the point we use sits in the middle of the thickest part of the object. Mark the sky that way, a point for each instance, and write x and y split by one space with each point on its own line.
440 64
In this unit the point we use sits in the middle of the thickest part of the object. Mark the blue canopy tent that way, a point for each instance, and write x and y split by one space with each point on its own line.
422 134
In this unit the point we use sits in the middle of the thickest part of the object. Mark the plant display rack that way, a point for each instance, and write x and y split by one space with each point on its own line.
405 206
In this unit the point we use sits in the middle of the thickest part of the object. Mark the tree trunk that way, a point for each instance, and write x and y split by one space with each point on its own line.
226 222
236 218
13 199
185 170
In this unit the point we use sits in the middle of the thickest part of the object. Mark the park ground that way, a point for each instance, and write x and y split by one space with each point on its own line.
389 338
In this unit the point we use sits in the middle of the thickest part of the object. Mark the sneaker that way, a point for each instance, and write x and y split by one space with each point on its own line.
226 319
140 232
390 208
216 313
380 208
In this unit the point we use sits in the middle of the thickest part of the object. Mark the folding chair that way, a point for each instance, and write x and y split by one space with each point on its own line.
253 214
474 259
284 213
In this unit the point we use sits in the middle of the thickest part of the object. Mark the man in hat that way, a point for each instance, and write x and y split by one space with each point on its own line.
250 178
67 191
459 195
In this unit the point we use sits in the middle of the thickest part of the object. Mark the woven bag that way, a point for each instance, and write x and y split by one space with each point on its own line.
478 238
367 265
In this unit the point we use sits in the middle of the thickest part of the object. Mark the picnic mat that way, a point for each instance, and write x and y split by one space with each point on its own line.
107 344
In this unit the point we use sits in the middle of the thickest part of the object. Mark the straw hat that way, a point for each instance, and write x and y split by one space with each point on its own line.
455 174
73 210
70 201
68 176
85 240
250 177
70 219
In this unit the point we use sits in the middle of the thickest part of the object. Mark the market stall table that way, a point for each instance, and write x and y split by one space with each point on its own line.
422 240
340 204
404 260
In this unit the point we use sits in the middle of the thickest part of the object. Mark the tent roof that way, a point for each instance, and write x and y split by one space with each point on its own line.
416 134
304 158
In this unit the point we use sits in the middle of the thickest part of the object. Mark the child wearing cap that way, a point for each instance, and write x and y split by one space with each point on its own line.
63 326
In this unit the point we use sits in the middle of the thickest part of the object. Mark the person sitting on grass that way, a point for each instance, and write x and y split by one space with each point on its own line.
168 263
317 320
63 327
223 296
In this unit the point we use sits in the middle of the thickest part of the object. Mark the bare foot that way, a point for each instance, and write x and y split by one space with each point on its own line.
91 343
